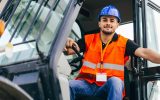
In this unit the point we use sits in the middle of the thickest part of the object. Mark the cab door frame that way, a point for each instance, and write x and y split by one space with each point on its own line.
143 72
58 44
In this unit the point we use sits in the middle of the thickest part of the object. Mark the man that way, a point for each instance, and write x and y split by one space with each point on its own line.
102 72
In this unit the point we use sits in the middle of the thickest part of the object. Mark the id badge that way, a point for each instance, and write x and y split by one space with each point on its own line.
101 77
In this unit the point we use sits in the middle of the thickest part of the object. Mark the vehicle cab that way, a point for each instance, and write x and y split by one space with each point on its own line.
36 32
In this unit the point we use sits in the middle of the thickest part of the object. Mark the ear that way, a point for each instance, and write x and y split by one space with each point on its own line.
117 24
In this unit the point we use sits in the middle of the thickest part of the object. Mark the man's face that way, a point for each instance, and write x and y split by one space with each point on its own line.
108 24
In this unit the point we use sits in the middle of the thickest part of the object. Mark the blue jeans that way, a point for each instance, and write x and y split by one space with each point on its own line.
111 90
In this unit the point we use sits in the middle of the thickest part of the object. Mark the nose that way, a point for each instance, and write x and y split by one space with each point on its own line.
108 23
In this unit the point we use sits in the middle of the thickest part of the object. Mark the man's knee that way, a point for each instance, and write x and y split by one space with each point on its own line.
72 86
72 83
76 84
115 82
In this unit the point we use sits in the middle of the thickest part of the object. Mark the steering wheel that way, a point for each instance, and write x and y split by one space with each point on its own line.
77 62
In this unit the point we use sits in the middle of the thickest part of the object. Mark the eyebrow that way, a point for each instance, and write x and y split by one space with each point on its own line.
104 18
110 18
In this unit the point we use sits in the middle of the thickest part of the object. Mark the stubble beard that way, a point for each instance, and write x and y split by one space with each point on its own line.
106 33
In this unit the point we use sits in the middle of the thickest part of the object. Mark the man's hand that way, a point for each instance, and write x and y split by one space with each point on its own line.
68 47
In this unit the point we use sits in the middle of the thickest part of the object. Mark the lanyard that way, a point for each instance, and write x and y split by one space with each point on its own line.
103 52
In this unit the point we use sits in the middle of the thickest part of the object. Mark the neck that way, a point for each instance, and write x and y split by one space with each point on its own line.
105 38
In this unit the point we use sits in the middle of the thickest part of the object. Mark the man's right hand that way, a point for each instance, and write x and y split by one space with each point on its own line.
68 46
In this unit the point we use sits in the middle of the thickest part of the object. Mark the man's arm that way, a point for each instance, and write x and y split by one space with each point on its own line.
148 54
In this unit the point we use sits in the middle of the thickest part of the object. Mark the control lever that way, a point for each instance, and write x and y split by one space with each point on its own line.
76 60
76 51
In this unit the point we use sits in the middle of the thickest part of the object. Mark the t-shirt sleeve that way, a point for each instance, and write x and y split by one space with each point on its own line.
131 48
81 44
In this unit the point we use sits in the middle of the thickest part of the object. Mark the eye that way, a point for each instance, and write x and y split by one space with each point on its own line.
104 20
112 20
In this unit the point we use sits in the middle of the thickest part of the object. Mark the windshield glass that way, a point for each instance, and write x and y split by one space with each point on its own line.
153 90
2 4
25 26
157 2
153 30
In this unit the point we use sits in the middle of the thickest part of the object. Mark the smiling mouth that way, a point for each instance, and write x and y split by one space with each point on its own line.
107 28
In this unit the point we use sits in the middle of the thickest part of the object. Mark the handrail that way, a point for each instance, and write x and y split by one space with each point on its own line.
24 42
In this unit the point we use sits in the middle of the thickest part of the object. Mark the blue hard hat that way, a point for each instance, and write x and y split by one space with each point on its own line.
110 11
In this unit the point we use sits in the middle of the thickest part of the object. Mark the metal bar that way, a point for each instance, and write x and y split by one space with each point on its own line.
154 5
5 8
14 9
15 20
46 20
19 62
46 3
144 4
24 42
144 27
33 21
134 64
55 6
23 24
136 21
21 18
43 28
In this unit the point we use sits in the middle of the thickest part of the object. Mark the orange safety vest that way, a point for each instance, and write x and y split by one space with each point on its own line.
113 59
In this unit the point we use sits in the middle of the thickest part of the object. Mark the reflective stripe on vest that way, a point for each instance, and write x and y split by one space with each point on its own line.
105 65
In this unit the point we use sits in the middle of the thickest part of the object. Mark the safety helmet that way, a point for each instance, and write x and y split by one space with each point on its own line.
110 11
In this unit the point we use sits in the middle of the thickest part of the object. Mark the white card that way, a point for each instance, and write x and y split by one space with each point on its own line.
101 77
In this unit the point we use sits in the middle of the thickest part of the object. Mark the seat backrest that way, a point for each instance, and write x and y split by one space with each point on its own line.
63 71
